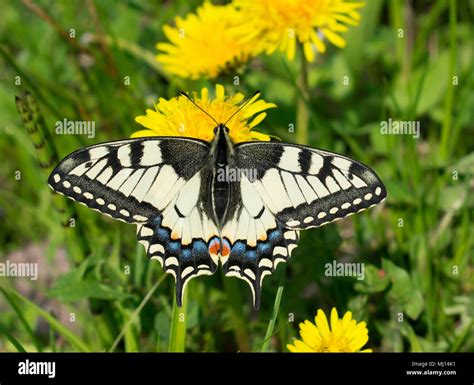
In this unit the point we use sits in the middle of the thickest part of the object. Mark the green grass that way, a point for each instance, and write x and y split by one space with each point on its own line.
97 291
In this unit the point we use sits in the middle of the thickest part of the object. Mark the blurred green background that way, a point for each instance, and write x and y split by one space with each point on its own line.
91 293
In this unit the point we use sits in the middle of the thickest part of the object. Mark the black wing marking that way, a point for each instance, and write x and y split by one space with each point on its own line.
131 180
255 242
306 187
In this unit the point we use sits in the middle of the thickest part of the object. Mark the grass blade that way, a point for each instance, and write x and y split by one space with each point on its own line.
446 130
18 346
69 336
238 320
23 320
178 326
461 338
136 313
276 308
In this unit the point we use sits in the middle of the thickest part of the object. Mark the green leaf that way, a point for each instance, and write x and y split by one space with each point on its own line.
425 88
162 327
461 338
408 332
22 319
276 308
376 280
84 289
131 332
465 165
134 316
71 287
403 291
399 192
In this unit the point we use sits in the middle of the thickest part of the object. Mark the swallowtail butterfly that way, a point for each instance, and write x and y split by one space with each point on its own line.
197 204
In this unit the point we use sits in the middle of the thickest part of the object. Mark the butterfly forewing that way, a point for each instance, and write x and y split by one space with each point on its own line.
130 180
305 187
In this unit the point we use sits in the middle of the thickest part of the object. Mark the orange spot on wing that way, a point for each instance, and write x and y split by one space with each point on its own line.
225 250
214 246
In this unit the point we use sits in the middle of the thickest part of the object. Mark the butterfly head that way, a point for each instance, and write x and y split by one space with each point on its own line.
221 129
221 137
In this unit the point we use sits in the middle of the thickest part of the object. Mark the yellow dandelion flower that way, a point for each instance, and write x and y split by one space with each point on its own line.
277 24
344 335
179 117
203 44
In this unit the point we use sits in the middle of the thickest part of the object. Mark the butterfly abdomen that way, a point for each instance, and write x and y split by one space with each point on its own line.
220 194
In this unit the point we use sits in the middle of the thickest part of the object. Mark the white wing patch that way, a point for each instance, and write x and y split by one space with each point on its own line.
289 159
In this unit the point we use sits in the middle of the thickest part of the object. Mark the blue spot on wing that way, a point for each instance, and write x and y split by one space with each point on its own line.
173 247
186 254
238 248
264 248
199 247
275 236
251 254
162 234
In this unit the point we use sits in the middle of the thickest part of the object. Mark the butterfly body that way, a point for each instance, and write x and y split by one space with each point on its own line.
221 149
192 216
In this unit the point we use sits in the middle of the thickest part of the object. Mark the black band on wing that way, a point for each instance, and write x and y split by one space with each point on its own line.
252 264
182 261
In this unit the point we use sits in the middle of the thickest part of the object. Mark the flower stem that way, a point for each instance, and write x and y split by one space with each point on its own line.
276 308
302 110
238 320
178 326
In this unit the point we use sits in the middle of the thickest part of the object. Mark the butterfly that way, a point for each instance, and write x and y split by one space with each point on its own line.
198 204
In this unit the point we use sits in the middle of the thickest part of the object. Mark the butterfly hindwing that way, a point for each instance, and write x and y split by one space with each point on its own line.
181 237
255 241
305 187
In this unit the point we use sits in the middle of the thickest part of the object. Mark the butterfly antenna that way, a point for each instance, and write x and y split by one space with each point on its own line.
242 106
193 102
